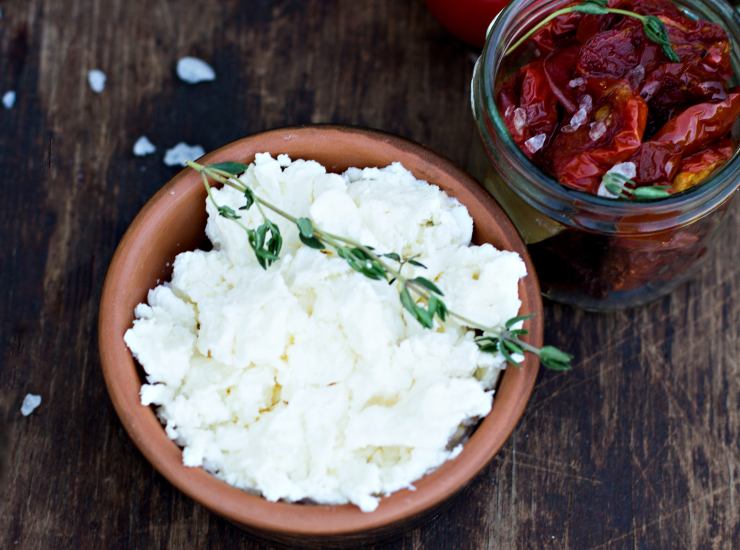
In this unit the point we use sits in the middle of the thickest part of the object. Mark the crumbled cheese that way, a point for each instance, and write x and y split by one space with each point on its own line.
9 99
520 119
193 70
144 147
309 380
96 79
30 403
535 143
181 153
596 130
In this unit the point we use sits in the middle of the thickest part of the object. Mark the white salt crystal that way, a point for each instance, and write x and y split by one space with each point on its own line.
580 116
143 147
182 152
96 80
586 102
193 70
636 75
520 119
596 130
9 99
576 82
535 143
30 403
626 169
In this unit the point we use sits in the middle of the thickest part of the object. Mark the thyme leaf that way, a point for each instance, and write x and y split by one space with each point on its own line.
617 184
419 296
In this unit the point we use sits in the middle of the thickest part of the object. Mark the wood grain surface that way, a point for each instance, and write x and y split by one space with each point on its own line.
636 448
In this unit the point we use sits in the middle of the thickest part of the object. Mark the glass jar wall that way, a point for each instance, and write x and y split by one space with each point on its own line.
590 251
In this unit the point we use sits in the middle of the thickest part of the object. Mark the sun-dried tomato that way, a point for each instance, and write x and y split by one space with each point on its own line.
558 33
698 167
609 54
656 163
700 124
653 7
579 161
529 107
647 109
558 67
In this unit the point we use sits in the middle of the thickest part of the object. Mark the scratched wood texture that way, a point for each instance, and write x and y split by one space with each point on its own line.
636 448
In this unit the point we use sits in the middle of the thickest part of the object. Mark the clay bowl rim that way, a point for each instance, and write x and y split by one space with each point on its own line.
282 518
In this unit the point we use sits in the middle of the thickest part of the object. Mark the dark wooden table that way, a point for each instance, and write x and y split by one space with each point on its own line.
637 447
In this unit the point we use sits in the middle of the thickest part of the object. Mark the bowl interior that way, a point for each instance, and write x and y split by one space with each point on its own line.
174 220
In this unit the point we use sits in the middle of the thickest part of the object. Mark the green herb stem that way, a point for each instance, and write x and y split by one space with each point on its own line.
652 26
368 262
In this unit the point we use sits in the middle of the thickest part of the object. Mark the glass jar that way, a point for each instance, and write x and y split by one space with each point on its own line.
594 252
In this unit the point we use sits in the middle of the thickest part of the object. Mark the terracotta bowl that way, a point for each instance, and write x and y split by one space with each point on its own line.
174 220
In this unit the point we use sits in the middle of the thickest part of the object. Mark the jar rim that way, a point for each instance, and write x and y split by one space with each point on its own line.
699 200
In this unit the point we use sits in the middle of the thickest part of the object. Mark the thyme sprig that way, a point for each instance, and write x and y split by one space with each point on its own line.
421 297
652 26
617 184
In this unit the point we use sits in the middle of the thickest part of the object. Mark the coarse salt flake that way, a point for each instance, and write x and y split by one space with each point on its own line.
626 169
9 99
596 130
144 147
535 143
96 79
635 76
193 70
586 102
520 119
30 403
181 153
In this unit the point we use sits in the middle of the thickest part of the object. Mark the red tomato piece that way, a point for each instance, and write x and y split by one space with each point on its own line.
609 54
700 124
558 33
579 161
656 163
558 67
654 7
698 167
529 107
466 19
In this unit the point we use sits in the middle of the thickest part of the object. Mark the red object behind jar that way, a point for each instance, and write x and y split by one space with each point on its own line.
466 19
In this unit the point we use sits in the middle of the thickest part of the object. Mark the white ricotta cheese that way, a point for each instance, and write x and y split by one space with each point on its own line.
308 381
